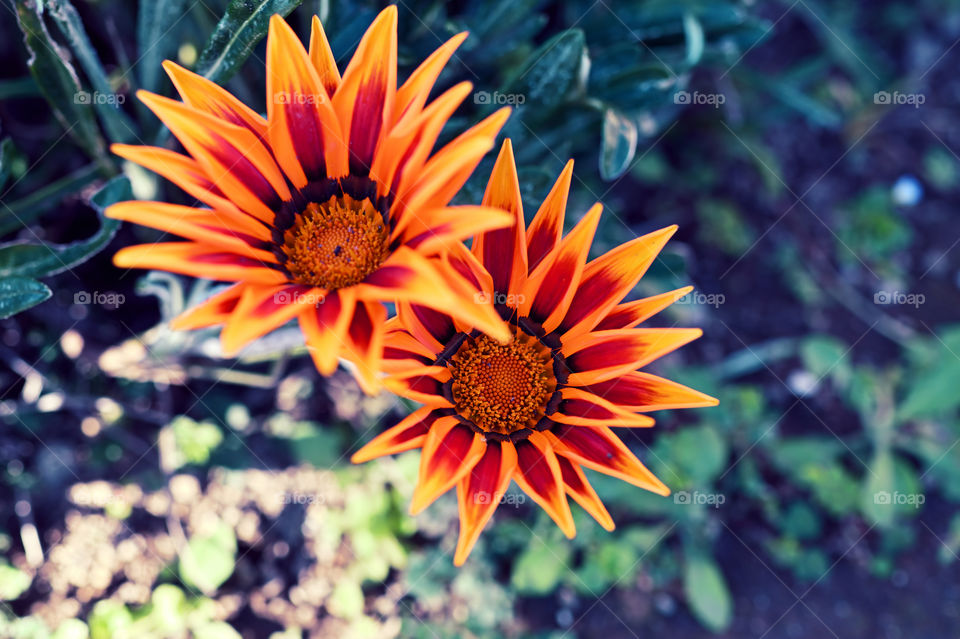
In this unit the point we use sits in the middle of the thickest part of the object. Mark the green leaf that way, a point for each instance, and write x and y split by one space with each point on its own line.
13 582
207 562
346 601
825 355
697 454
216 630
540 567
155 21
109 619
107 103
933 391
17 215
27 259
20 293
71 629
620 137
707 593
553 72
243 25
891 489
6 157
57 79
194 441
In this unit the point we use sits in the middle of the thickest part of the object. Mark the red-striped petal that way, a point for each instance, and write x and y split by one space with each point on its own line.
450 451
410 433
598 448
538 475
479 493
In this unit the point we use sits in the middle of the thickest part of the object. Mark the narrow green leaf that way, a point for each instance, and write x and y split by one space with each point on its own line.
243 25
155 21
553 72
620 137
107 103
22 212
57 79
27 259
707 593
23 87
20 293
6 157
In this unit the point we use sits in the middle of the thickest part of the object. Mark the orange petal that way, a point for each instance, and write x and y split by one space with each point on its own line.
232 156
198 260
629 314
304 131
598 448
407 276
423 384
365 344
450 451
322 57
538 475
186 173
325 328
607 279
211 312
438 229
263 309
412 95
596 357
552 285
504 251
202 225
428 327
404 150
479 493
402 351
209 97
576 484
408 434
364 100
582 408
447 171
547 226
638 391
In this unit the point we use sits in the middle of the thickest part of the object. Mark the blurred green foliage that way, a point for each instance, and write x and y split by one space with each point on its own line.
822 427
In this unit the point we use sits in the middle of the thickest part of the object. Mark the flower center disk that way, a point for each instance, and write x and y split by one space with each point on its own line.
502 388
336 243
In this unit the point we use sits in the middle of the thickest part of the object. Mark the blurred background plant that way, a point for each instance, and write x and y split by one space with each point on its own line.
151 488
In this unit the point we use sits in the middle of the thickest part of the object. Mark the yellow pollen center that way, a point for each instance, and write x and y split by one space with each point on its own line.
502 388
336 243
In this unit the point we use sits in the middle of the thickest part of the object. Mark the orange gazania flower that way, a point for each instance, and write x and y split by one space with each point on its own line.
538 408
327 208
